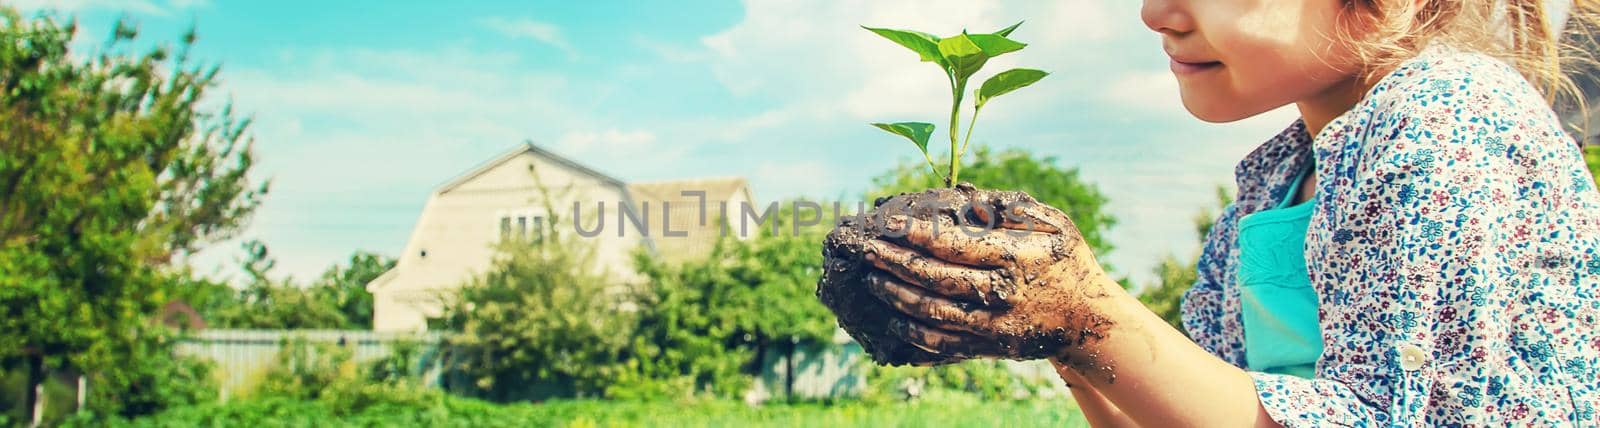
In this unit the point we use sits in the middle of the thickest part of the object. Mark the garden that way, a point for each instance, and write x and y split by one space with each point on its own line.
118 162
91 265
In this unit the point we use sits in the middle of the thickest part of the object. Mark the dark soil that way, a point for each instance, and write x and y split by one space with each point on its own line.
842 287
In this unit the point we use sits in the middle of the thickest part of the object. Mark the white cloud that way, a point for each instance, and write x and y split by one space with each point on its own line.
525 28
671 52
354 139
191 4
610 141
785 179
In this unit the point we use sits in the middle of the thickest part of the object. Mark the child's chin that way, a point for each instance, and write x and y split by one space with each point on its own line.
1213 115
1215 109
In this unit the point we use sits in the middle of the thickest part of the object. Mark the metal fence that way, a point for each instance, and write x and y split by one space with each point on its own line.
241 357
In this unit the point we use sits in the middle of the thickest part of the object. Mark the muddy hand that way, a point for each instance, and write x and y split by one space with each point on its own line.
1027 290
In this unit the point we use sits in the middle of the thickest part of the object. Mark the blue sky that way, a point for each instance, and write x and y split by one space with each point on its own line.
362 107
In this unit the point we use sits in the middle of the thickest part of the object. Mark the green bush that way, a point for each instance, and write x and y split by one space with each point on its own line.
985 380
944 410
542 323
706 325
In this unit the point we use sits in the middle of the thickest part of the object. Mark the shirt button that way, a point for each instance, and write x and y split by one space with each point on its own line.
1412 357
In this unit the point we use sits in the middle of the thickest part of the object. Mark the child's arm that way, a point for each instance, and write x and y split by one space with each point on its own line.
1067 308
1095 407
1161 378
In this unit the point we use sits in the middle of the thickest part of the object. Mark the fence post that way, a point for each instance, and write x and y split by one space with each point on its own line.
35 398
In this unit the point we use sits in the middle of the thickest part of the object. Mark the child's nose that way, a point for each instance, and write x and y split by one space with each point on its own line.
1167 16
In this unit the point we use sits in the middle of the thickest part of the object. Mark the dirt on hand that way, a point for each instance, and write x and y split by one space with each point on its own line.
842 287
1044 270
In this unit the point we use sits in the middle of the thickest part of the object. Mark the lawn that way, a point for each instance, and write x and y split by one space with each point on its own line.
944 411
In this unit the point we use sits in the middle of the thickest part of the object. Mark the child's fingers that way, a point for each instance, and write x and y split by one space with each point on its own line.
986 287
1024 216
935 310
992 248
959 345
984 248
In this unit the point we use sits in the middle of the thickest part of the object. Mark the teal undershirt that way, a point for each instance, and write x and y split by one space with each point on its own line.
1278 304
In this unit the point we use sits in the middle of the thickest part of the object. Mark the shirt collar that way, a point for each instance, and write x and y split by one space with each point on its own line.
1265 174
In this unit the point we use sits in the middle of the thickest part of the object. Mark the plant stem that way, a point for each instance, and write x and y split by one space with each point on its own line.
934 168
971 123
959 87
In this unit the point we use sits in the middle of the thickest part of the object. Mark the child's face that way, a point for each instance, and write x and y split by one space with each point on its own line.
1238 58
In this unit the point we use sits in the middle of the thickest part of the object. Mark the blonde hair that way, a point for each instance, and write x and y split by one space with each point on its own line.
1523 33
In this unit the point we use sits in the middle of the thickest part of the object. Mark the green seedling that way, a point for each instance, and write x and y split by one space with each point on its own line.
960 57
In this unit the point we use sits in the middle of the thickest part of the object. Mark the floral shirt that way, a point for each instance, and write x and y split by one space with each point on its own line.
1454 251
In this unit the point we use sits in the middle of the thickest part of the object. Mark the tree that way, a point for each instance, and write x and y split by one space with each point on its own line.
707 324
345 287
542 323
110 165
545 320
1174 276
337 300
1015 169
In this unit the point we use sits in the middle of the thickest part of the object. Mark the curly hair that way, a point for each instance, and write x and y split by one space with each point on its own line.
1548 41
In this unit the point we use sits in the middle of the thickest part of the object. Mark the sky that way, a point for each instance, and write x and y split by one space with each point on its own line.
361 108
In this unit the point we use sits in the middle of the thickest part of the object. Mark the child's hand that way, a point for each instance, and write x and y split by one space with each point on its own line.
1027 290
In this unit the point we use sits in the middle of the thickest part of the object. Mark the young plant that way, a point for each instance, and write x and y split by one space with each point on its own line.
960 57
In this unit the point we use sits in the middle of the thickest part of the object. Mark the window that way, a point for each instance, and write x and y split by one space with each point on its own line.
522 224
537 234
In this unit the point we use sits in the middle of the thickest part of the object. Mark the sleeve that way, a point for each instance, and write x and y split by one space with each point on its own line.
1206 318
1418 234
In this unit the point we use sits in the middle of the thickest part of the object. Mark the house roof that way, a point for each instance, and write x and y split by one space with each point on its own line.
716 189
685 210
701 226
526 147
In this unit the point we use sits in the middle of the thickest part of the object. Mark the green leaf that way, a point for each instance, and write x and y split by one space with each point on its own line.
925 45
1007 81
917 132
1007 31
995 45
962 55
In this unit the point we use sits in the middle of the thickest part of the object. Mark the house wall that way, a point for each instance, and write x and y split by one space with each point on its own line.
460 226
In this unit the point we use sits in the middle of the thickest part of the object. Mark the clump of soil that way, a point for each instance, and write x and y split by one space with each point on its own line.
842 287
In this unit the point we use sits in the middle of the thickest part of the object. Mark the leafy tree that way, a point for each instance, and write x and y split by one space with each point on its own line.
110 165
1175 276
544 321
345 287
709 323
337 300
1015 169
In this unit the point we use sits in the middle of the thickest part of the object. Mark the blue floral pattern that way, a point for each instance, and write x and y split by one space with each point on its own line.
1455 251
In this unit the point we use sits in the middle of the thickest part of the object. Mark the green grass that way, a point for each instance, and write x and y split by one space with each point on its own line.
953 410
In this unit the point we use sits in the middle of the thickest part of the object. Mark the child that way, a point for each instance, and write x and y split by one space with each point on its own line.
1421 247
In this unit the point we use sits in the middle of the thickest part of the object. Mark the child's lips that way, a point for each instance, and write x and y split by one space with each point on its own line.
1183 67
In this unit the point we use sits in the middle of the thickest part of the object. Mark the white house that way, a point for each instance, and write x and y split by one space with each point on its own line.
454 238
